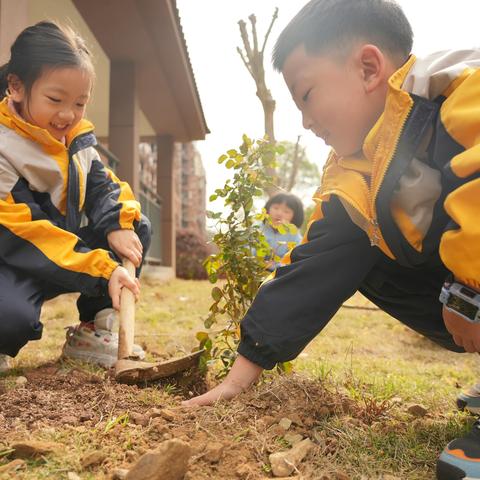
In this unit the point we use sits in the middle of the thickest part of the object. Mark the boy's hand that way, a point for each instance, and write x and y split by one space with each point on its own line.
126 244
120 279
465 334
242 374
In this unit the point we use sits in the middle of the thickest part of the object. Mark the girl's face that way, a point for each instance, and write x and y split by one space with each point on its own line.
280 213
57 99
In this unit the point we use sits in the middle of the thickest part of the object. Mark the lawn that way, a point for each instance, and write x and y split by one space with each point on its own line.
350 394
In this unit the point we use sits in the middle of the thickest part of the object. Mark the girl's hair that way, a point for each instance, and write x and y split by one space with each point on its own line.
292 202
44 45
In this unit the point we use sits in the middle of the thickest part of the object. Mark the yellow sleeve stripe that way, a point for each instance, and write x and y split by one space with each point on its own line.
56 244
131 209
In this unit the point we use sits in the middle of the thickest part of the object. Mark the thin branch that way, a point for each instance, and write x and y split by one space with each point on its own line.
245 62
275 16
253 21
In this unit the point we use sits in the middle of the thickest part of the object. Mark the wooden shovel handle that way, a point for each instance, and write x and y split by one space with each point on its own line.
126 331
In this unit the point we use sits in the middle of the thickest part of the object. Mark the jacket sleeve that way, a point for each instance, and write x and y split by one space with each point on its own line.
296 302
109 203
30 242
460 243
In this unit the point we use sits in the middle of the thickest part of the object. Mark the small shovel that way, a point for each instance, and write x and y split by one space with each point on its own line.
127 368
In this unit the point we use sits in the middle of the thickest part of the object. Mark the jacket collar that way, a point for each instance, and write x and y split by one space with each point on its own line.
10 118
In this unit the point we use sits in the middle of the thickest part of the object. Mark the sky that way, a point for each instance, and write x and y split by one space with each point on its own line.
227 91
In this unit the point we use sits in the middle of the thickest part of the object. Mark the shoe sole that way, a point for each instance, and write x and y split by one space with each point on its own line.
453 468
466 405
103 360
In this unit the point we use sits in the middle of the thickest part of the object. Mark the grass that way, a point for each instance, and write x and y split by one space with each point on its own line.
363 356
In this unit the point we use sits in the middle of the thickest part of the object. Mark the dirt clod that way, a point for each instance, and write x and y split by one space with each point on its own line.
214 452
168 462
417 410
93 459
33 449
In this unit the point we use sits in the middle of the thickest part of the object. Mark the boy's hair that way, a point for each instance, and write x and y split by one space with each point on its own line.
335 24
292 202
40 46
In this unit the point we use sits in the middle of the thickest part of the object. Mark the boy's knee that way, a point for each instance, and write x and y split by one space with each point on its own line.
19 324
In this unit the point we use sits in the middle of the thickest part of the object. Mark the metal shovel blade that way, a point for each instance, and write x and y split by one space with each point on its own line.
132 372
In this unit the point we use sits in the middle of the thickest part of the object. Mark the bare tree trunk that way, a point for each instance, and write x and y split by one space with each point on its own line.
252 58
295 165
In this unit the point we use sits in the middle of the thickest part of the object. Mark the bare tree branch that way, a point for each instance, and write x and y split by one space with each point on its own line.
274 17
244 60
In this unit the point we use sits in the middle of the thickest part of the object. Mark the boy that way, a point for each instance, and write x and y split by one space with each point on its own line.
396 213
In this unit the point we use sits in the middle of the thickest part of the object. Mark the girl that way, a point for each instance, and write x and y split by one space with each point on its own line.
282 208
52 183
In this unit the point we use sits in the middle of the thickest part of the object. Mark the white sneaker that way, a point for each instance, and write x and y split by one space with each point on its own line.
5 363
97 343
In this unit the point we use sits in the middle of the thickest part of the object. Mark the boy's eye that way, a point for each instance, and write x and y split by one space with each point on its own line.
305 97
56 100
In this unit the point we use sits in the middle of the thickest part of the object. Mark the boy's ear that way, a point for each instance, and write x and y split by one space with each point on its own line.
16 88
372 64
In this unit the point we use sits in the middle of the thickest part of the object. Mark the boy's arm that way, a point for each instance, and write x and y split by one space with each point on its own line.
109 203
460 243
300 298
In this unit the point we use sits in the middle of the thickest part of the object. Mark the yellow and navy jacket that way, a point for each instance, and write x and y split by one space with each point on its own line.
411 201
47 188
416 189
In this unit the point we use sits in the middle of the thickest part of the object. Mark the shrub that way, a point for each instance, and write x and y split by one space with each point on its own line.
192 249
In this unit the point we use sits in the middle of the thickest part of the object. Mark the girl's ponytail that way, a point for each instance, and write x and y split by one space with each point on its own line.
4 71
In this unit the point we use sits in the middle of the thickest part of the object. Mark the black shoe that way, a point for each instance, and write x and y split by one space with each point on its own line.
461 457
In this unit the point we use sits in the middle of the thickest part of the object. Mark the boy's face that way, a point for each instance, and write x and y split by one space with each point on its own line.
340 98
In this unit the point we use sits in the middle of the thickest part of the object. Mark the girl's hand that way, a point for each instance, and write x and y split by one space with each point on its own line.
120 279
126 244
465 334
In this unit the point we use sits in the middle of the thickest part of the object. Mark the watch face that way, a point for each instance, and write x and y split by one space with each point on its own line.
463 307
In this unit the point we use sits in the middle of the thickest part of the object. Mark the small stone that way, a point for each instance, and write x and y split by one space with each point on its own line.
119 474
284 463
130 455
213 452
72 476
138 419
168 415
20 381
417 410
13 466
243 472
33 449
69 420
168 462
92 459
293 438
268 420
285 423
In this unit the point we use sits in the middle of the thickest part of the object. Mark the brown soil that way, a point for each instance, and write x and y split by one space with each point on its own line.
87 413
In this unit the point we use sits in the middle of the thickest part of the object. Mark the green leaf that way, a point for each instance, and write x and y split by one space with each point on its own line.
222 158
230 163
217 294
232 153
212 198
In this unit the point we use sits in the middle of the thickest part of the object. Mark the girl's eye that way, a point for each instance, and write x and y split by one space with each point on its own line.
55 100
80 105
305 97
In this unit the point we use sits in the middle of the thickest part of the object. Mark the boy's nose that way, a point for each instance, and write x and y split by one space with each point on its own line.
307 121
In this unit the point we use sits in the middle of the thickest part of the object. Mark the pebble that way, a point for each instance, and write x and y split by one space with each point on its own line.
285 423
20 381
92 459
284 463
417 410
33 449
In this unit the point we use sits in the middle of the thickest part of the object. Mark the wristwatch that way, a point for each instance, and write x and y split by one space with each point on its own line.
461 300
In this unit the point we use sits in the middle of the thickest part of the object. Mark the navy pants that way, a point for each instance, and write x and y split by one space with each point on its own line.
22 297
